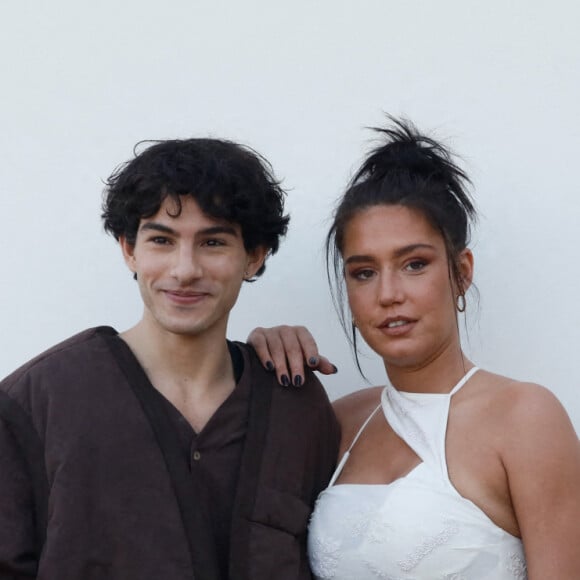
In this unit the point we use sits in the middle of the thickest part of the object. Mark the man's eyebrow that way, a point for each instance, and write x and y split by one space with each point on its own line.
210 231
398 253
156 227
219 230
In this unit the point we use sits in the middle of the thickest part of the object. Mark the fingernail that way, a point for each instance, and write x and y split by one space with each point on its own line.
285 380
297 380
313 361
269 365
334 369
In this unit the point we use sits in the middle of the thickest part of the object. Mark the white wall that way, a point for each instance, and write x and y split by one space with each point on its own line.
299 81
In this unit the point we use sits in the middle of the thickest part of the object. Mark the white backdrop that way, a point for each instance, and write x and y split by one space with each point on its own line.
299 81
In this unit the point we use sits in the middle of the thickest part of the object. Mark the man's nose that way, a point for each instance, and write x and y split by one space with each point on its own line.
186 264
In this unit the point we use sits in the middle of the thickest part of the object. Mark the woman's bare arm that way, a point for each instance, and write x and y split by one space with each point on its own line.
541 454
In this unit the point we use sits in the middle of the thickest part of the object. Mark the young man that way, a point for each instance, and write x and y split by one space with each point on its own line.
166 452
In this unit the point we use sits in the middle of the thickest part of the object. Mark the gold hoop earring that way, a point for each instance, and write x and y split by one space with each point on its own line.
460 303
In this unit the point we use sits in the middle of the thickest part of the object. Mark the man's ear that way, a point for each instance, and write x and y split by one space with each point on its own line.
128 250
465 266
256 258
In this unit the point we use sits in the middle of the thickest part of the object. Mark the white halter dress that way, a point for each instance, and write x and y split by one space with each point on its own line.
418 527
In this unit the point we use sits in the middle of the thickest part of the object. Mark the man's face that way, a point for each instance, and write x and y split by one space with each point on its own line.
189 268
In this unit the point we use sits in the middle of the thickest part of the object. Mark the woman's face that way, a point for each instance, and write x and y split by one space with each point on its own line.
398 284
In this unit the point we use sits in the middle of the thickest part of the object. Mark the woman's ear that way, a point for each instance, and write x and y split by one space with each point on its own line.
465 269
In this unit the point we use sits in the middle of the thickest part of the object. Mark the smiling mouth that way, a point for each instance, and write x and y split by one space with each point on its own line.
397 323
397 326
185 297
185 292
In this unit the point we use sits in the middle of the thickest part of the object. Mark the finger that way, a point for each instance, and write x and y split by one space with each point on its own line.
279 340
257 338
308 346
325 367
292 338
288 348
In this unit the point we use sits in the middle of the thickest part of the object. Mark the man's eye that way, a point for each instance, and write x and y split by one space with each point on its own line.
214 243
159 240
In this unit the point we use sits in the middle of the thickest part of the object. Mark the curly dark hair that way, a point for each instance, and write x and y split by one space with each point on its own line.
229 181
413 170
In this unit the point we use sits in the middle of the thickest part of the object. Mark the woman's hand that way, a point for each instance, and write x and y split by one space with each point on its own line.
286 349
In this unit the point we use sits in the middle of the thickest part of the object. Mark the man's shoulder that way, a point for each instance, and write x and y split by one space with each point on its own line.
312 392
78 346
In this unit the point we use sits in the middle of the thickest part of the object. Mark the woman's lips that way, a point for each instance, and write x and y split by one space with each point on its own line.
397 326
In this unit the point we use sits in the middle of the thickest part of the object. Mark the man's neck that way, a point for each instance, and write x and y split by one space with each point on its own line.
194 373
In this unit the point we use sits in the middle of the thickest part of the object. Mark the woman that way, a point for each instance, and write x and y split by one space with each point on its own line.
449 471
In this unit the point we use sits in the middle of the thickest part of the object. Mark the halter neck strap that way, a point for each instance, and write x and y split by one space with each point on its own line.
465 378
346 455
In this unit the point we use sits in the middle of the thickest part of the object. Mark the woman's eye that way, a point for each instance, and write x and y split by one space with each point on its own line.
415 265
364 274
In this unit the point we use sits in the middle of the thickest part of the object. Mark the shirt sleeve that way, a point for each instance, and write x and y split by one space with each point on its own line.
329 441
18 531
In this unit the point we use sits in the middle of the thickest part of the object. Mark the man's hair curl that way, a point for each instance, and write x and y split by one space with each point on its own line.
228 181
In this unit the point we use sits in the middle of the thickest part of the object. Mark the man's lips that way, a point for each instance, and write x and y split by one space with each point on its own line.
185 296
185 292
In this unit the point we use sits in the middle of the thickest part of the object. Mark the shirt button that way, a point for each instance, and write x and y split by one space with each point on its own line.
196 455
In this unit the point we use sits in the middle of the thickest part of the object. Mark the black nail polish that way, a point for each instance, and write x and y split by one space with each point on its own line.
285 380
334 369
313 361
269 365
297 381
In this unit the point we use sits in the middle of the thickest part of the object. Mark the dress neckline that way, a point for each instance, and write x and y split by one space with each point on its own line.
390 391
456 387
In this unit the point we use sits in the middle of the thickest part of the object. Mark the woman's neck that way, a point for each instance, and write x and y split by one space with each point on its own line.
438 375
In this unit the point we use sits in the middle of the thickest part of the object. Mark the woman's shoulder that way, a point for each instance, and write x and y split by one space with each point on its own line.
353 409
511 393
519 406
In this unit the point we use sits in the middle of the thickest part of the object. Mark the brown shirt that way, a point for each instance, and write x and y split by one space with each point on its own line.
94 485
214 455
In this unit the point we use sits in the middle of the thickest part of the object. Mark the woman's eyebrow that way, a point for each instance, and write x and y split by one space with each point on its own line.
411 248
358 258
398 253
